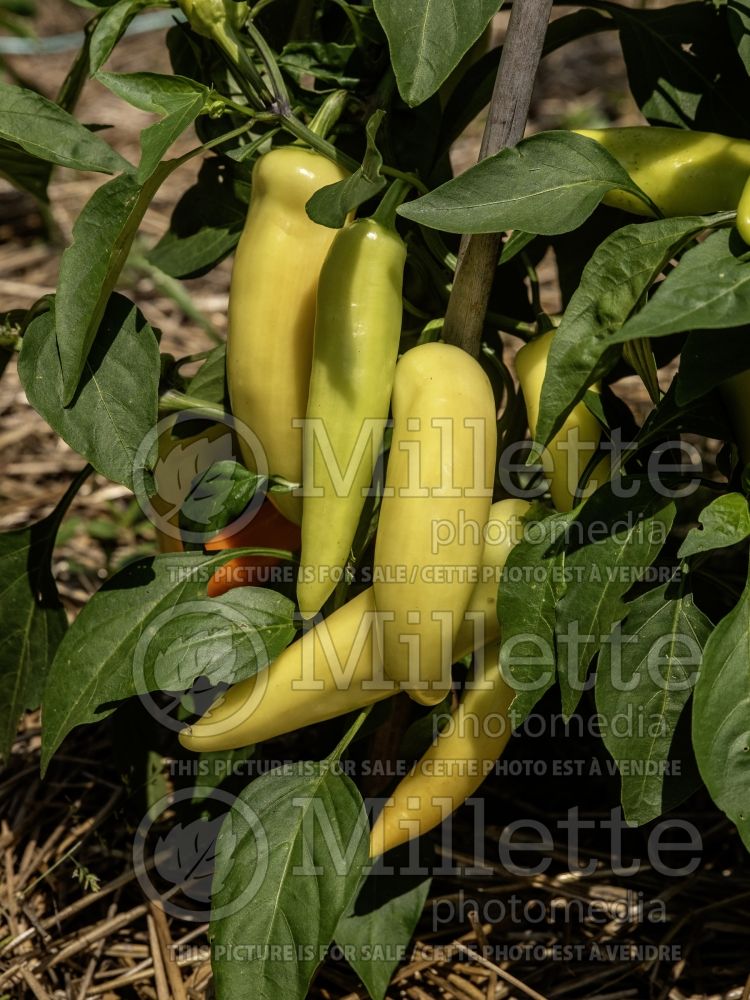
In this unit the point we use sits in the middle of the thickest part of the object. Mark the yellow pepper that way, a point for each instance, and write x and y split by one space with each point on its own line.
566 457
357 331
272 310
437 497
683 172
461 756
336 667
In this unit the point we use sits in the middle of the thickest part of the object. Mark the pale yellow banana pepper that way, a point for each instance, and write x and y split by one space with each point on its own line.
272 312
437 496
683 172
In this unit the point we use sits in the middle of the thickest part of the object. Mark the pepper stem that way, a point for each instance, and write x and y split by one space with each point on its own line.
329 113
385 213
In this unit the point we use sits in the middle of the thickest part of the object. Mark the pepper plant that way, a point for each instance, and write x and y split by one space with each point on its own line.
649 571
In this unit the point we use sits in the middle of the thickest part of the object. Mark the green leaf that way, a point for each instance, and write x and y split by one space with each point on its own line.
613 539
34 621
428 40
331 205
707 360
110 28
23 170
303 855
326 61
683 67
529 590
618 274
709 290
102 237
376 928
218 496
206 223
549 183
115 404
177 98
46 131
115 648
215 766
721 716
725 521
646 672
738 17
209 382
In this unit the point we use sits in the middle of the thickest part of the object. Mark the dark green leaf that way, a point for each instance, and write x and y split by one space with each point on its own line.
46 131
738 17
205 225
721 716
209 382
707 360
332 204
115 405
427 41
683 68
549 183
646 672
215 766
218 496
89 269
376 928
618 274
303 855
113 650
23 170
33 622
725 521
710 289
613 540
326 61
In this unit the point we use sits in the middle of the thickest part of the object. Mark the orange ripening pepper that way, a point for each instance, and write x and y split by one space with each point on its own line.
269 529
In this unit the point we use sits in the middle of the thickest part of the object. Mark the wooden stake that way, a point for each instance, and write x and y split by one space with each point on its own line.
505 125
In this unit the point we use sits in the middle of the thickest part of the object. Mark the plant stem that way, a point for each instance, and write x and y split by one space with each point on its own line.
506 120
385 213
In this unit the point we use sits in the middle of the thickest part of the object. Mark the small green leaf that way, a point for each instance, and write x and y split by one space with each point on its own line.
331 205
110 28
725 521
549 183
526 601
